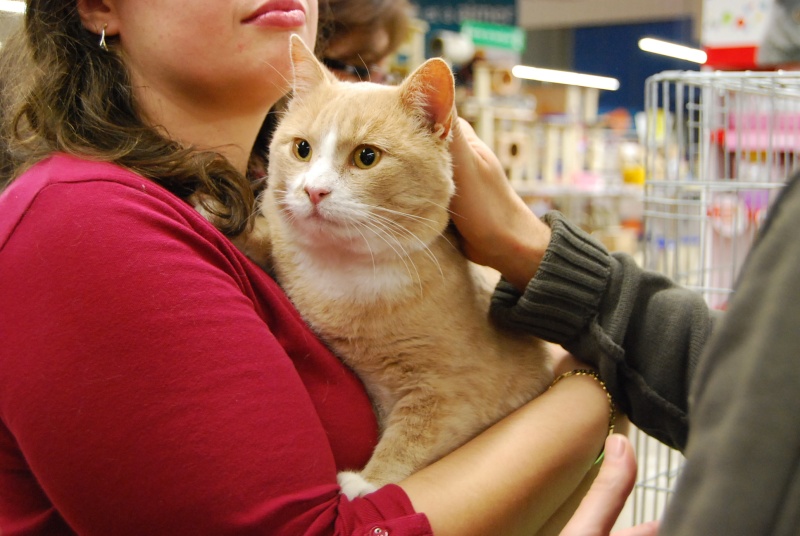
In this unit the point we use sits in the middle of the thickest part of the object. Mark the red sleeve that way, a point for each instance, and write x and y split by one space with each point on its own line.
142 390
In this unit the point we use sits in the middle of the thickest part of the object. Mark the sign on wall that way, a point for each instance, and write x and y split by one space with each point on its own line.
450 14
734 22
494 22
488 34
734 31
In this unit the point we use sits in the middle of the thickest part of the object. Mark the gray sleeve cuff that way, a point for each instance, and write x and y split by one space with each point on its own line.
563 297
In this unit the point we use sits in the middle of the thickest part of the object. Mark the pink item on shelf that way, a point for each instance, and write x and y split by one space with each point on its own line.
587 180
751 132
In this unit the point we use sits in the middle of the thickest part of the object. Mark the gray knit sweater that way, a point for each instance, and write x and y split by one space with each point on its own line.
641 330
731 386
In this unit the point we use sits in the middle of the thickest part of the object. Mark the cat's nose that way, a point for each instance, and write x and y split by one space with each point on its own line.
315 194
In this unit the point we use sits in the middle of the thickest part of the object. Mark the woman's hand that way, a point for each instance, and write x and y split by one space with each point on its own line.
604 501
497 227
602 504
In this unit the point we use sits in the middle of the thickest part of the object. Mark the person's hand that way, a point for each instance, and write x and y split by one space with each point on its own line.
497 227
604 501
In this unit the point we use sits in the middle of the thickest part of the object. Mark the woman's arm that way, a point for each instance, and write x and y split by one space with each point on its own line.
513 477
642 331
155 382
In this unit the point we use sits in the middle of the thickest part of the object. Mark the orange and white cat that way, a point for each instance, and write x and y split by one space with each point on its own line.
360 180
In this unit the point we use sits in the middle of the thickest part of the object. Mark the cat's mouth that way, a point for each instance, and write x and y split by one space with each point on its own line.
315 217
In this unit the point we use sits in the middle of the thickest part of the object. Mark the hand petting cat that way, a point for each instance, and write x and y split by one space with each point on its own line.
497 227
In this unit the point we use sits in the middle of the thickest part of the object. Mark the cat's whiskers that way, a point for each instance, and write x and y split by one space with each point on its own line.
369 248
286 213
389 224
447 209
404 214
257 205
280 197
287 82
420 218
395 228
381 232
443 207
369 75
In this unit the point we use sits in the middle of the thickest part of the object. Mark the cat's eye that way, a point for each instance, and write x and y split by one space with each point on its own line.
366 156
302 150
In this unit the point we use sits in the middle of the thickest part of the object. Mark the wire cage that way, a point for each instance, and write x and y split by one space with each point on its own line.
718 148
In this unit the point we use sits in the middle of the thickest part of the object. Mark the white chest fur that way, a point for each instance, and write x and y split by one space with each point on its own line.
336 275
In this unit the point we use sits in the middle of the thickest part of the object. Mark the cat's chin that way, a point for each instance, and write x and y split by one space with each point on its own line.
353 484
316 230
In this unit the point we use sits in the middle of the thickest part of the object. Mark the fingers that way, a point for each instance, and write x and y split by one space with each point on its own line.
604 501
484 198
497 227
468 148
645 529
465 157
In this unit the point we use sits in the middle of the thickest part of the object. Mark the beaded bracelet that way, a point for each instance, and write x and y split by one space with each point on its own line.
586 372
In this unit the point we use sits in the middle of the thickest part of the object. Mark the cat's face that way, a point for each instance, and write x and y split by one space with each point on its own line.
362 167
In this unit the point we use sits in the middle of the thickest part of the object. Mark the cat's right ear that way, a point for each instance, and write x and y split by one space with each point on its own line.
307 70
430 88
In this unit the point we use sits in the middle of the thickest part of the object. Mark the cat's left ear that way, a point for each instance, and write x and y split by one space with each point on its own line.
308 71
431 88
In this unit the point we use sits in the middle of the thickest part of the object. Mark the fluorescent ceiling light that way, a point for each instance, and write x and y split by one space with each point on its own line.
565 77
657 46
12 6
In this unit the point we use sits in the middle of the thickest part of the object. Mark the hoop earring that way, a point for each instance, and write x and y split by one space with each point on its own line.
103 38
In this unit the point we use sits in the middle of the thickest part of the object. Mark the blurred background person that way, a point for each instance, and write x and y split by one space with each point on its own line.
356 37
780 46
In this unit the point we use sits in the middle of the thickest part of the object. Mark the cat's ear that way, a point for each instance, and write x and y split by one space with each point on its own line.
307 70
431 89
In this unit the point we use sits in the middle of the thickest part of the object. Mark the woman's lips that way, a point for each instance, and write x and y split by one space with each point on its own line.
279 14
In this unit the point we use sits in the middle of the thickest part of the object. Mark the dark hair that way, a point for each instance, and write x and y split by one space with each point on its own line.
342 17
60 92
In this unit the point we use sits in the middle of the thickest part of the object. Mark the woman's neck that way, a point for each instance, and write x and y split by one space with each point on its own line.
228 129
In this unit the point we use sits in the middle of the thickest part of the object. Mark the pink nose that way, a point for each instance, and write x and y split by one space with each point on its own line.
316 194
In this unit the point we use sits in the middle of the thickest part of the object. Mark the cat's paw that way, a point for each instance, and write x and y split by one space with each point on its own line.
353 484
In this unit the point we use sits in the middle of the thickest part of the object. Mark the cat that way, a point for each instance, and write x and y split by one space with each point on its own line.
356 208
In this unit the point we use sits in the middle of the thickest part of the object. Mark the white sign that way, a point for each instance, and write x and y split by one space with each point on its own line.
734 23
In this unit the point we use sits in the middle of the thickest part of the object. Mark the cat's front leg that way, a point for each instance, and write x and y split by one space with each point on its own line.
256 243
421 428
354 485
411 440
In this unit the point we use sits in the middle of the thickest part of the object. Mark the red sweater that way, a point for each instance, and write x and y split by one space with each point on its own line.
154 381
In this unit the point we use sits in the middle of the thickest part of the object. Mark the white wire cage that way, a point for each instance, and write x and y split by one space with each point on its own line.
719 146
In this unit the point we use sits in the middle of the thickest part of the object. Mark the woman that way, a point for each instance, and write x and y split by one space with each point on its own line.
152 379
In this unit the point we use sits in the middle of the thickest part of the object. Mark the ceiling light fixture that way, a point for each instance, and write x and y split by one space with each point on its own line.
673 50
565 77
12 6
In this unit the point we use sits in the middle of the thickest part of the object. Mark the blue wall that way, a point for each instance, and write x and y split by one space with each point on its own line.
614 51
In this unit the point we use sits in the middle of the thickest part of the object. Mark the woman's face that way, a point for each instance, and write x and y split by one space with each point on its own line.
230 55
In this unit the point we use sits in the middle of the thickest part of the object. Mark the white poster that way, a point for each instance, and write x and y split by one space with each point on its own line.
735 23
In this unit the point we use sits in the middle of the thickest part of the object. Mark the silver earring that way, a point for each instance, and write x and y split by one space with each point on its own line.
103 38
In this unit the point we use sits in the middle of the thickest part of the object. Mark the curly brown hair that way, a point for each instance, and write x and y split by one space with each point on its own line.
60 92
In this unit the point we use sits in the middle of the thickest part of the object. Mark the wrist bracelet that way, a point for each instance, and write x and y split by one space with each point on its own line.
586 372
